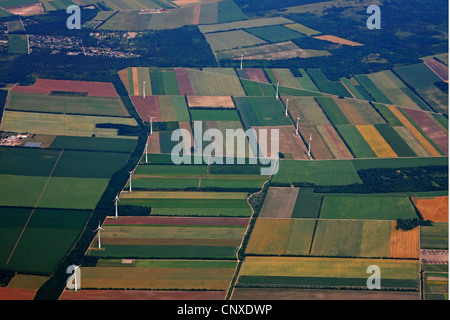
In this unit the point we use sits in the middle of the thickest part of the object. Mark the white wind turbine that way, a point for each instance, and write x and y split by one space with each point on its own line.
296 131
151 124
130 172
116 199
98 237
276 95
242 57
287 106
309 145
143 90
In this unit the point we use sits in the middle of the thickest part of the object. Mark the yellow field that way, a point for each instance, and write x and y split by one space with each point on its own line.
275 239
135 82
376 141
404 244
414 131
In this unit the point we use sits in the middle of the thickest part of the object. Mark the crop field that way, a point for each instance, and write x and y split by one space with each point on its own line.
159 275
120 5
261 111
338 40
404 244
422 79
205 83
434 208
327 86
210 102
281 237
279 202
17 43
307 110
253 74
93 144
258 89
334 142
436 286
49 232
355 141
395 90
66 104
376 141
434 236
170 238
430 127
291 272
325 172
376 208
437 67
62 124
245 24
400 147
228 40
276 33
413 130
302 29
273 51
359 112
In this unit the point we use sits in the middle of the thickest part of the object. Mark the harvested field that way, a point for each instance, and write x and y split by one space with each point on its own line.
434 209
26 9
404 244
275 33
359 112
228 40
279 202
210 102
207 83
302 29
142 295
338 40
355 141
412 142
256 74
16 294
184 83
307 109
430 128
98 89
289 144
147 106
381 148
319 148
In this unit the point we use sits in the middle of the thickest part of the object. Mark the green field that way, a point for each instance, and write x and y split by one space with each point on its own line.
93 144
399 145
214 115
423 80
206 83
325 85
434 236
332 110
257 89
38 102
245 24
261 111
50 234
17 43
376 94
275 33
228 40
376 208
308 204
324 172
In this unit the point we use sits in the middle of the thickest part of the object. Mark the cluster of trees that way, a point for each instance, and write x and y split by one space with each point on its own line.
408 224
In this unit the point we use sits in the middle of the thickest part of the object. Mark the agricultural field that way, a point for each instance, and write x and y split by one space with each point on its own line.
434 208
434 236
301 272
423 79
261 111
337 40
375 208
227 40
275 33
172 237
327 86
18 44
165 275
129 4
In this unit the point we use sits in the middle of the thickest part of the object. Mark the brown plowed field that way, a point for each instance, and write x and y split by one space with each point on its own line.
256 74
434 209
210 102
97 89
319 148
279 202
404 244
148 106
142 295
194 221
184 82
16 294
440 69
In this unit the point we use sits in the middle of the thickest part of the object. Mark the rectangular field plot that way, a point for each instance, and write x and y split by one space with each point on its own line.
160 275
423 80
94 144
275 33
210 102
355 141
327 86
433 208
376 208
62 124
325 172
436 285
396 142
279 202
261 111
292 272
281 237
434 236
334 142
253 23
51 233
227 40
203 239
207 83
307 110
376 141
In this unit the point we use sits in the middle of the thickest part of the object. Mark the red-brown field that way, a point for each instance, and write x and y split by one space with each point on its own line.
434 209
16 294
319 148
276 76
142 295
154 220
148 106
331 138
184 82
98 89
430 128
439 68
256 74
196 14
26 9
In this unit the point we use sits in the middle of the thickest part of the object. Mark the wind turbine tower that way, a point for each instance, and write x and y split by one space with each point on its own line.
151 124
130 172
242 57
287 106
116 199
143 91
99 229
309 146
296 131
276 95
